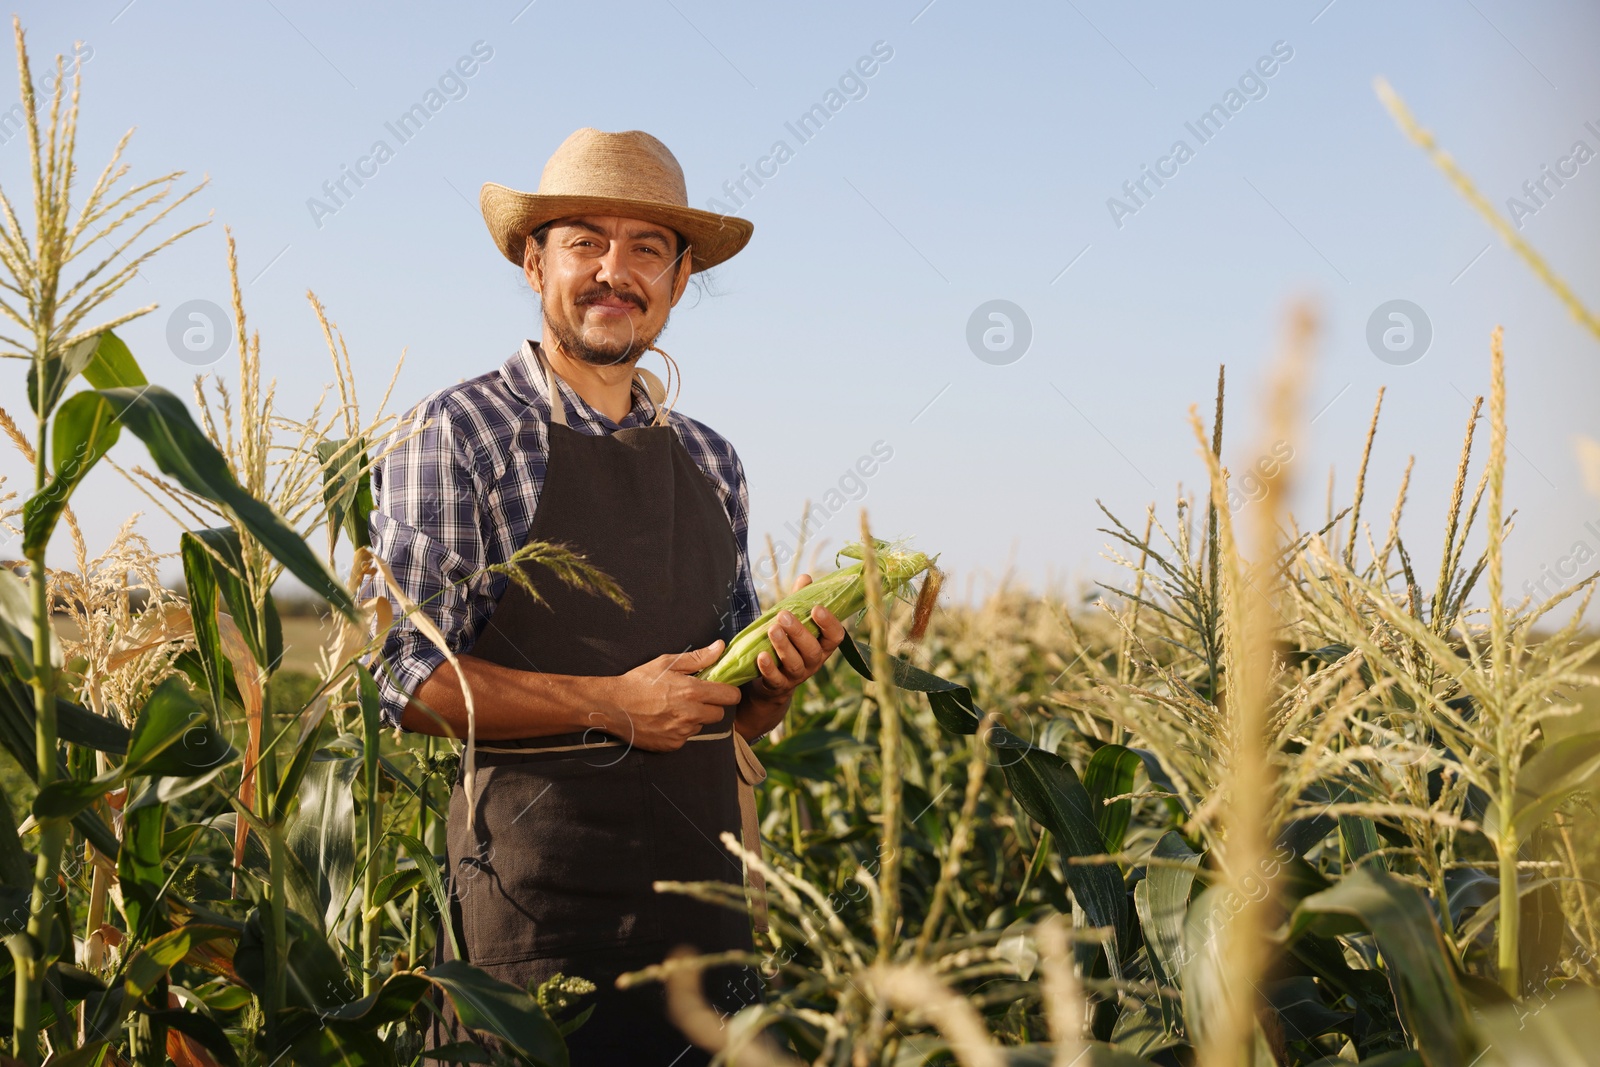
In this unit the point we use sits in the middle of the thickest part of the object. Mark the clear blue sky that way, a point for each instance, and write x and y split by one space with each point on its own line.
976 166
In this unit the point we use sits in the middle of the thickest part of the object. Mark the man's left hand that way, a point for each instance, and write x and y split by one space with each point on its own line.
796 655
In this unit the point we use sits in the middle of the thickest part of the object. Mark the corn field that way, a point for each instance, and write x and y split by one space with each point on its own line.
1275 798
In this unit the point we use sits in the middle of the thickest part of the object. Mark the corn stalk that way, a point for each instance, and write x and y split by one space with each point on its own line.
1507 732
1248 593
886 914
52 311
28 952
372 737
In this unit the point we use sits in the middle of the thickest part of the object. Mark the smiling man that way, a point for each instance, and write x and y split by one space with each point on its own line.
603 763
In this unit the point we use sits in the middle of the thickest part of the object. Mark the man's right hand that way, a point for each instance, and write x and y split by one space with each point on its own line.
660 704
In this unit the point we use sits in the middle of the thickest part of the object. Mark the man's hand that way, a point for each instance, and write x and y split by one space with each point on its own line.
660 704
796 655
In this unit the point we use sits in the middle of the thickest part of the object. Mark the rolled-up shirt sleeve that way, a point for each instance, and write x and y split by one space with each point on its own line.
746 604
427 526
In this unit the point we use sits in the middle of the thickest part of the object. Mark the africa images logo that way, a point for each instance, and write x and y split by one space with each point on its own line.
451 85
852 85
1252 85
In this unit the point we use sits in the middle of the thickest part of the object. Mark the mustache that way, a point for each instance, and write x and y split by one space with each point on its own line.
595 295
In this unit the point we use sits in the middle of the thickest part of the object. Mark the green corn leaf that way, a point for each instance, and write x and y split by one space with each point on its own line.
1048 789
201 585
174 736
951 702
400 778
140 871
79 726
1420 972
1360 837
1110 773
151 963
16 623
113 366
1560 764
17 718
299 888
306 746
317 980
393 1000
393 886
1302 1014
74 982
225 998
809 754
264 636
430 874
1550 776
339 1045
322 830
186 455
75 725
1044 784
148 966
84 430
60 367
64 798
1144 1029
1357 834
17 737
490 1006
188 664
1208 982
1162 901
347 489
96 832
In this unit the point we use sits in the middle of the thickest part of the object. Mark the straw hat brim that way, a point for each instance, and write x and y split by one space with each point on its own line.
512 215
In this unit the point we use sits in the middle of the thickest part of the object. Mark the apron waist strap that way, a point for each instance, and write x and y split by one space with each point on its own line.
751 774
539 750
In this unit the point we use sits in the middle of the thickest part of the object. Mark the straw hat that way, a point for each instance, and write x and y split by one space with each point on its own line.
631 175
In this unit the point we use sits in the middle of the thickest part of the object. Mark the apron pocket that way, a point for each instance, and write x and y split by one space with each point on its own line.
561 860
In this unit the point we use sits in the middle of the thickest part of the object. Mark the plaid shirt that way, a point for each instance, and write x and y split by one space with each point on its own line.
460 495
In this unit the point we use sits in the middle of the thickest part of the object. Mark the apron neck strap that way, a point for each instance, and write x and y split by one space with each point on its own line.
558 408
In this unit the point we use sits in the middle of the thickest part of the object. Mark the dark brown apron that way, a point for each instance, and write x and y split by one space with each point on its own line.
571 831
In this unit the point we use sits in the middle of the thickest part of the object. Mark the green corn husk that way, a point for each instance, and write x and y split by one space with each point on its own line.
844 592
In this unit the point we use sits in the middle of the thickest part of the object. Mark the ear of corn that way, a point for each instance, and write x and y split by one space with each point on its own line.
844 592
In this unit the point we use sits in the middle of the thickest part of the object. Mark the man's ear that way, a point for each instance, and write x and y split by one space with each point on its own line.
531 268
681 281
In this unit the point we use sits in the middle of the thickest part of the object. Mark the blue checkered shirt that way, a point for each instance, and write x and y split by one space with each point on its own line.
459 494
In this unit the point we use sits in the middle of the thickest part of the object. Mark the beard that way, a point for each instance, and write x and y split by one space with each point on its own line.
596 348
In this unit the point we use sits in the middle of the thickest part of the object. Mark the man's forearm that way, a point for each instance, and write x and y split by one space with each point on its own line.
508 703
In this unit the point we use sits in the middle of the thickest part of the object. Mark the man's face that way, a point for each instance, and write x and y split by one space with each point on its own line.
607 284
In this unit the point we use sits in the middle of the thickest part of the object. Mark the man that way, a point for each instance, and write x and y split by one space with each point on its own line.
603 764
